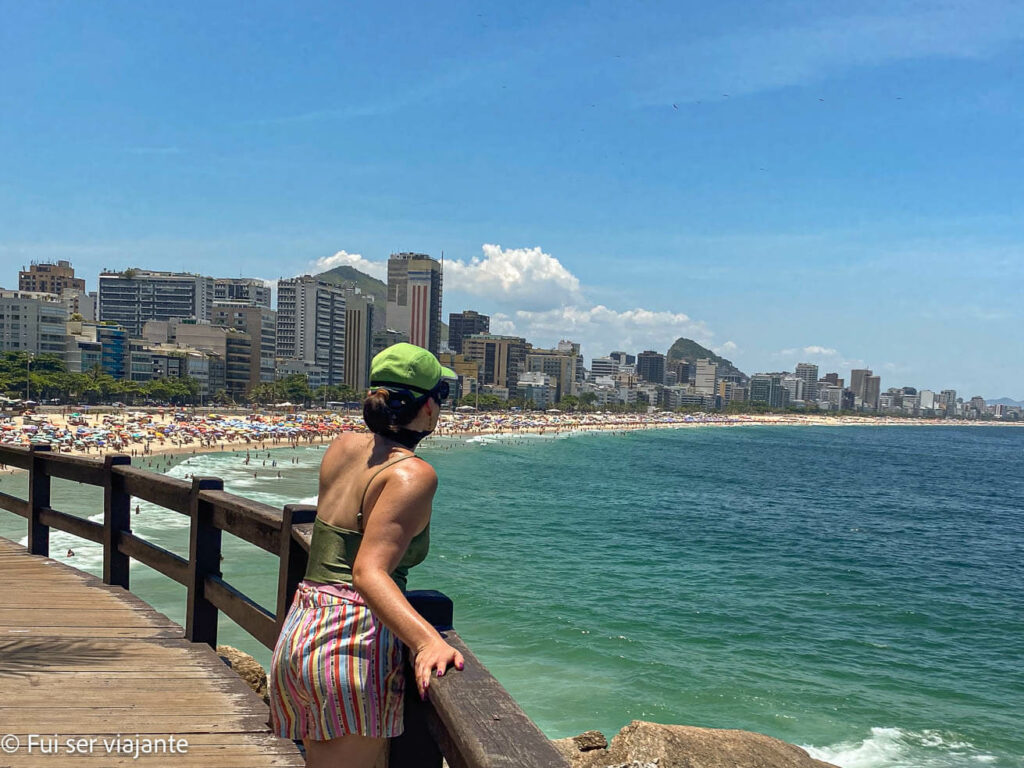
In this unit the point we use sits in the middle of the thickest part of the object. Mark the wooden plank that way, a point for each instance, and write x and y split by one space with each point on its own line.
167 631
80 469
159 559
14 504
168 492
485 725
15 457
257 523
92 617
224 750
76 526
245 612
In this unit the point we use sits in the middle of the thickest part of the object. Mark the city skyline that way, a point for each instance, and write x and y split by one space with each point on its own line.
783 184
249 295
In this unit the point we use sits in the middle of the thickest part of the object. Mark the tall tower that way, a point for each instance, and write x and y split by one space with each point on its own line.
463 324
311 325
809 373
414 298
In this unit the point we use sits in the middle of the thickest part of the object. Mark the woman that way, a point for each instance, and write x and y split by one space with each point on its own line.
337 676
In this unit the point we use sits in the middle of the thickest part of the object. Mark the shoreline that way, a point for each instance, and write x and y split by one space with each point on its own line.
322 429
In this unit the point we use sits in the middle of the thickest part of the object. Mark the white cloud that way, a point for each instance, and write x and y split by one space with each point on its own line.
600 329
728 348
524 277
378 269
814 351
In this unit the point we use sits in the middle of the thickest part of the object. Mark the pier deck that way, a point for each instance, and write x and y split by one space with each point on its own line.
83 660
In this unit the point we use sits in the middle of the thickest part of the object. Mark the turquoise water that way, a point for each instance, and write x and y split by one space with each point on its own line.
856 590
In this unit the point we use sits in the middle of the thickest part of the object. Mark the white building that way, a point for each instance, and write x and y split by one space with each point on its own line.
311 325
706 378
538 387
132 297
32 322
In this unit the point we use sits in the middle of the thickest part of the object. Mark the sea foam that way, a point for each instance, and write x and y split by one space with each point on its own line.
899 748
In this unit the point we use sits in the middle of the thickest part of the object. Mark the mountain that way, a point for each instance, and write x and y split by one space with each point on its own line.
690 351
350 277
1006 401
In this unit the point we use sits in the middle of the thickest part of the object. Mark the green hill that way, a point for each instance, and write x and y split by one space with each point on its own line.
350 277
690 351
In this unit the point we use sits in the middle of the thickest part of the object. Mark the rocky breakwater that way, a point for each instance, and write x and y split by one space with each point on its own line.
652 745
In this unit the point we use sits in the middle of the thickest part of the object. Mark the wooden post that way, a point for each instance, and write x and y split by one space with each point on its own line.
203 561
38 499
417 745
293 557
117 517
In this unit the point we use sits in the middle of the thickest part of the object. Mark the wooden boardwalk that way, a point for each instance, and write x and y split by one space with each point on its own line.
83 660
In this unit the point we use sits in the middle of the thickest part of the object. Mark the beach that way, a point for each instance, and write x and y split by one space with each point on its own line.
152 432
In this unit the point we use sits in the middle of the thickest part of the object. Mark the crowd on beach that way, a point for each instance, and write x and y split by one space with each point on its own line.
159 431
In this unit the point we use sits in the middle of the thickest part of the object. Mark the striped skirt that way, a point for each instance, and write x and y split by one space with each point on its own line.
336 669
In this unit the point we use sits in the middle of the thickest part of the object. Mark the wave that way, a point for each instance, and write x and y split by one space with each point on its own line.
898 748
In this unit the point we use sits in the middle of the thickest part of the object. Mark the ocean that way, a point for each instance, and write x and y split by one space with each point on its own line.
858 591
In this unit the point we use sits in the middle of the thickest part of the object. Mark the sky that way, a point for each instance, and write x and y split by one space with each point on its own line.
828 182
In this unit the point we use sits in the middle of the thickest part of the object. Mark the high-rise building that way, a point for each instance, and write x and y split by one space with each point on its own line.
46 277
768 388
947 400
557 364
622 358
466 323
414 298
604 366
573 348
359 310
872 390
132 297
706 377
809 373
232 347
501 358
242 290
857 377
261 325
650 366
683 370
32 322
110 343
311 325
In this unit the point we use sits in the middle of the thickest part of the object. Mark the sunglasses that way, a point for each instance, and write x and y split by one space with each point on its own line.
441 391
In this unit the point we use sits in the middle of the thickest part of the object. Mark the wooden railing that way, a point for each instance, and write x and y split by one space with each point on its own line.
469 718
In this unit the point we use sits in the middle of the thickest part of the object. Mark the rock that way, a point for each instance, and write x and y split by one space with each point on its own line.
585 742
247 668
651 745
589 740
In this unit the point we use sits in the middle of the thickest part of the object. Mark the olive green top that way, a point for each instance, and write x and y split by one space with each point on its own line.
332 550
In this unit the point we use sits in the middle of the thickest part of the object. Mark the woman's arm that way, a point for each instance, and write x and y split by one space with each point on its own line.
400 512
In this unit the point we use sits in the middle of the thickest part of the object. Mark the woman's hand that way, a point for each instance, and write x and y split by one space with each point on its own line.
435 655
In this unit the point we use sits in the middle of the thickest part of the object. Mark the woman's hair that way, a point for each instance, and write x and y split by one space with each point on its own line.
384 410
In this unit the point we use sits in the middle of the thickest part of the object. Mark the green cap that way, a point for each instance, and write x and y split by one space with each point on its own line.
406 366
